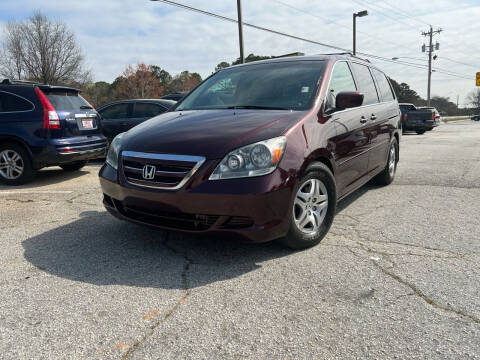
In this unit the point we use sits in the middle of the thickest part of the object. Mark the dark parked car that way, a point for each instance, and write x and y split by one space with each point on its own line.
44 125
120 116
475 118
175 96
419 119
262 151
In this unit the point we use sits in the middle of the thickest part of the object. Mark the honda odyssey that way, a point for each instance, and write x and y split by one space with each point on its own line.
260 151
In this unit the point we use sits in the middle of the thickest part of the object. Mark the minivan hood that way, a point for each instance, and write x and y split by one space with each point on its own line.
208 133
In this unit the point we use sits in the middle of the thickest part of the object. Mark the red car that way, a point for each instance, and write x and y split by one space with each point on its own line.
261 151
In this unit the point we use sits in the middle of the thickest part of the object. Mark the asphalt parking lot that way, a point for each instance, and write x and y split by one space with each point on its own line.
397 277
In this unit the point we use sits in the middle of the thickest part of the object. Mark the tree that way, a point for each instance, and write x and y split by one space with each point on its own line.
405 94
185 81
139 82
99 93
42 50
163 76
222 65
473 99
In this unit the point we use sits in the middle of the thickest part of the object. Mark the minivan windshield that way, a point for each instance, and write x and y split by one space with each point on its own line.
289 85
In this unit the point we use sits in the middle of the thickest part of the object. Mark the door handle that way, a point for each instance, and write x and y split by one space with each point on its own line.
373 117
363 119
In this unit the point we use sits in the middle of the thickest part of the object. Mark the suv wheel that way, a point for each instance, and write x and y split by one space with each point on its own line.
74 166
313 208
15 165
420 132
388 174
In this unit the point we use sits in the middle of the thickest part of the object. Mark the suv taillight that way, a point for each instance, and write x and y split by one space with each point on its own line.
50 116
437 116
405 117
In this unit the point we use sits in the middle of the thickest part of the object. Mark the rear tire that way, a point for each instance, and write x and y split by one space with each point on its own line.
388 174
74 166
420 132
313 208
15 165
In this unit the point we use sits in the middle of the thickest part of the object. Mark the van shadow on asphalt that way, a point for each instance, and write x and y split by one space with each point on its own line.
101 250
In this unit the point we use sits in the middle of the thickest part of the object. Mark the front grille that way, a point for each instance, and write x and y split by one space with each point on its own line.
170 171
179 221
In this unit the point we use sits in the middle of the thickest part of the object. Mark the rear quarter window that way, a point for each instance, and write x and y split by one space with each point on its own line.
366 84
386 92
65 100
13 103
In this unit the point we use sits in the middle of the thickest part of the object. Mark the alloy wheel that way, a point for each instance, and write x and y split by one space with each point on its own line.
310 206
392 160
11 164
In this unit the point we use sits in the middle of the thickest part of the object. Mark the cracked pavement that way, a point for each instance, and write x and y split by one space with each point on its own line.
397 277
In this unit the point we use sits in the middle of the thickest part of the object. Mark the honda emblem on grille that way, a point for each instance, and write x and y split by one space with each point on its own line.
149 172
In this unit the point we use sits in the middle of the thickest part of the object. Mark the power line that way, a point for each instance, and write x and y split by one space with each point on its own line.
364 3
338 23
225 18
399 11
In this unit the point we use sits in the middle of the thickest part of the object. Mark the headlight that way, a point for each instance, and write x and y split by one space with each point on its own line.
257 159
114 151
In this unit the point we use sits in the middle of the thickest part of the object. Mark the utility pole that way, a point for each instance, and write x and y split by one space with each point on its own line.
431 48
240 30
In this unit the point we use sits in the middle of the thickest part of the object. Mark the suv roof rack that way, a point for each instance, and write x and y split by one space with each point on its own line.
349 54
13 82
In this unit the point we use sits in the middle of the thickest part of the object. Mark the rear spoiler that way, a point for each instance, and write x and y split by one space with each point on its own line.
60 88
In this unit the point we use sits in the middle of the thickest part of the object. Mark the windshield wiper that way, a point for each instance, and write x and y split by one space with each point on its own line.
85 107
257 107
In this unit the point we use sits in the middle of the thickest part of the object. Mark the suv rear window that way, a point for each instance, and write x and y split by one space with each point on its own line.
65 100
12 103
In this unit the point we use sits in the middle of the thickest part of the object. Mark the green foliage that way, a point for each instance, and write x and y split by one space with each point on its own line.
405 94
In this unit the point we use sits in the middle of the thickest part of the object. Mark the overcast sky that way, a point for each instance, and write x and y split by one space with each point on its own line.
114 33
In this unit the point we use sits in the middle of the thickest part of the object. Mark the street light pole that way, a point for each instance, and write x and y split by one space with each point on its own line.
240 30
355 15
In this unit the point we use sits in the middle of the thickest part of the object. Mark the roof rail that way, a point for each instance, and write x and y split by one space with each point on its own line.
289 55
349 54
12 82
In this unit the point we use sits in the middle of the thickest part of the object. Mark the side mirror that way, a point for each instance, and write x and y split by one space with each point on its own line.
348 99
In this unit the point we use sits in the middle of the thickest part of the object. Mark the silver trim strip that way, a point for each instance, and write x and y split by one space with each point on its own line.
199 160
102 149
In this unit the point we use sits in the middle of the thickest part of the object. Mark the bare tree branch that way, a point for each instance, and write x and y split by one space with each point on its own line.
42 50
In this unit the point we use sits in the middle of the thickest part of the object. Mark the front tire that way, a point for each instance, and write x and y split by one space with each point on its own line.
74 166
420 132
312 209
15 165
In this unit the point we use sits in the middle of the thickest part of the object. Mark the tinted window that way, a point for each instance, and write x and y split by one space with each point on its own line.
386 92
341 80
147 110
280 85
365 84
10 102
65 100
118 111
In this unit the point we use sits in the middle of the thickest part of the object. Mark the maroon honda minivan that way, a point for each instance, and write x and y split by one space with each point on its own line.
260 151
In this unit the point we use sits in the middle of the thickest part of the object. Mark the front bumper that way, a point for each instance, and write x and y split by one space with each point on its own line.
255 209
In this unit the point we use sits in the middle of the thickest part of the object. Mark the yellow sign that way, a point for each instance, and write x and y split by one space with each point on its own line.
478 78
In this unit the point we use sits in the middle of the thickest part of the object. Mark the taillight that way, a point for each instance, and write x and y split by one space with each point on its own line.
405 117
437 116
50 116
